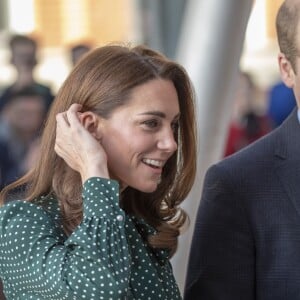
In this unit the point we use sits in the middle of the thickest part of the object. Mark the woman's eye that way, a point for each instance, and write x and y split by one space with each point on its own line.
151 123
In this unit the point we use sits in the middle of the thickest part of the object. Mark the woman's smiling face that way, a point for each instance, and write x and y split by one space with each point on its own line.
139 137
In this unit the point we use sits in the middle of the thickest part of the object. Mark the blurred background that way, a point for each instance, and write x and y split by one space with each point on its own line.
59 24
228 47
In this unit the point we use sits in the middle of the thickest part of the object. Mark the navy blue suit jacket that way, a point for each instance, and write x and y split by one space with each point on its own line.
246 242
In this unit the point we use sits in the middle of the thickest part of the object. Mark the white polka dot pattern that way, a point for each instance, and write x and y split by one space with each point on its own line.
104 258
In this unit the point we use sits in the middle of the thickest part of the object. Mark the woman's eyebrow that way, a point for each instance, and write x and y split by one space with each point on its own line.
158 114
154 113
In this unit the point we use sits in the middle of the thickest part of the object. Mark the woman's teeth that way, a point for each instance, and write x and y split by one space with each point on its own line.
153 162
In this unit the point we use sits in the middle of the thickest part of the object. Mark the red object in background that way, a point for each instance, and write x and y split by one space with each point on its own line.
251 128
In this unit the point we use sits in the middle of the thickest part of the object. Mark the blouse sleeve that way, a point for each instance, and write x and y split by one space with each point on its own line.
93 263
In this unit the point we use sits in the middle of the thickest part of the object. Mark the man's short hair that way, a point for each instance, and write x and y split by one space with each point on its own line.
286 26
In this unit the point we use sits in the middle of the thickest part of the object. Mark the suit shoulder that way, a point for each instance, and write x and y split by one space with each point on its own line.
262 149
258 155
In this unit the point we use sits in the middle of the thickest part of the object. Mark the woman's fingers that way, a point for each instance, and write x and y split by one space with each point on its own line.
72 114
78 146
62 120
69 116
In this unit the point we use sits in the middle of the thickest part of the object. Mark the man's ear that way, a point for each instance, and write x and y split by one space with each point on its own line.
91 122
286 70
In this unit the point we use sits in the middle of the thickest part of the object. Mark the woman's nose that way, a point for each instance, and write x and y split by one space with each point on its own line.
167 141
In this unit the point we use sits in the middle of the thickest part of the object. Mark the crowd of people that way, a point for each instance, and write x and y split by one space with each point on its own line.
92 179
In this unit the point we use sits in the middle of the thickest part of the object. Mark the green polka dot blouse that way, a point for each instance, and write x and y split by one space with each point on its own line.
104 258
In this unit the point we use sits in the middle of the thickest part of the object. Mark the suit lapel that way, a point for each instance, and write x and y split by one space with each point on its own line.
287 163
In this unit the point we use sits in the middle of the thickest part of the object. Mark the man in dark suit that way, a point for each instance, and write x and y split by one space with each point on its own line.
246 243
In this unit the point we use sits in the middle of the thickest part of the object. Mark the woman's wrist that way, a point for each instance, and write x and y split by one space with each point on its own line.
94 172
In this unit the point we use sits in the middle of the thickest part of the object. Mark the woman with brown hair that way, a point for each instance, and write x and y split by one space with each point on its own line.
101 214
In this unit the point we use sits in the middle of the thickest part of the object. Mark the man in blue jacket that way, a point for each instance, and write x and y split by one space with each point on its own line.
246 243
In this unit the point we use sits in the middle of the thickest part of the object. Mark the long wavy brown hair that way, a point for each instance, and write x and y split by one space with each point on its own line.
102 81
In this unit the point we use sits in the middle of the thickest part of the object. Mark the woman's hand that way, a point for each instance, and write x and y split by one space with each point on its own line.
78 147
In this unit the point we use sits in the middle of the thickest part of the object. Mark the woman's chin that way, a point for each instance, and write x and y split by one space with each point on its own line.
144 187
148 189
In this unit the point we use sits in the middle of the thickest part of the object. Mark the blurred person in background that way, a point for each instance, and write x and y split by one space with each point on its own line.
23 53
101 214
23 116
248 123
281 102
246 242
77 51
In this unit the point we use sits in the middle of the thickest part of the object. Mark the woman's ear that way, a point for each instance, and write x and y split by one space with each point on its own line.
91 122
